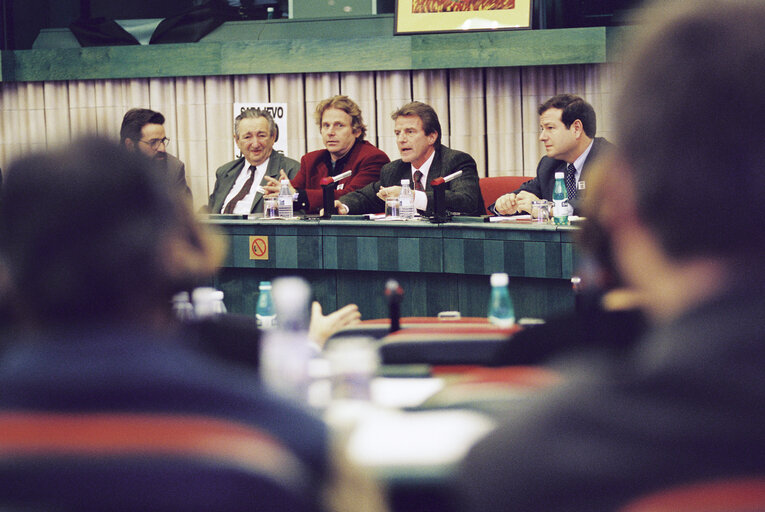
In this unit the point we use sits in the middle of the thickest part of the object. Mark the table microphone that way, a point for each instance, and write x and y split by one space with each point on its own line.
394 293
328 185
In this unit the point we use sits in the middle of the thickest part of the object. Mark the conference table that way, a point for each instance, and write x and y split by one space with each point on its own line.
440 266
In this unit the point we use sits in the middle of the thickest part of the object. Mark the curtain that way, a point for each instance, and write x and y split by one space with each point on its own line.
490 113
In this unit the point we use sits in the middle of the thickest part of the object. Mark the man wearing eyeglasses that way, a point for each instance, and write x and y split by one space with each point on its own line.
142 130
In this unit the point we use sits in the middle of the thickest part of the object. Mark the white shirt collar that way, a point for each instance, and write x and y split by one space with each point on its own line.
425 169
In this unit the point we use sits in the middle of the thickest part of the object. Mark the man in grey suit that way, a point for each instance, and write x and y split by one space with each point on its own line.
423 158
143 131
238 192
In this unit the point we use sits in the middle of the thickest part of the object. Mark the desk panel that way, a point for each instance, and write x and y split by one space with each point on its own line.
440 266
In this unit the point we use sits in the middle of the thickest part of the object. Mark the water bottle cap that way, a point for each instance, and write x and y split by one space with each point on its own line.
405 181
264 285
499 279
181 297
284 181
559 175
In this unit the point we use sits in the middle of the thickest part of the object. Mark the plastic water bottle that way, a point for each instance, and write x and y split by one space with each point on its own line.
406 201
560 201
285 200
286 350
264 310
501 311
207 302
182 306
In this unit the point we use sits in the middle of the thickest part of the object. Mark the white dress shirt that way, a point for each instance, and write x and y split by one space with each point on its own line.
245 204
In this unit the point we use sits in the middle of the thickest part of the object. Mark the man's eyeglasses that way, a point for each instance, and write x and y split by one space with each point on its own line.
154 143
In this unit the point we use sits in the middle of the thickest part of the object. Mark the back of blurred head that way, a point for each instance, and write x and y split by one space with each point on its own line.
91 235
691 126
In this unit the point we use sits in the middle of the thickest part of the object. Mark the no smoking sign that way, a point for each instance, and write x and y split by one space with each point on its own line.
258 247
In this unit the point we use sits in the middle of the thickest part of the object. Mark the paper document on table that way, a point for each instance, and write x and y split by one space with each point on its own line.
402 392
514 218
430 443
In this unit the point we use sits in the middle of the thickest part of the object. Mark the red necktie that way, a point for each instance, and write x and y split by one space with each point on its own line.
242 192
418 181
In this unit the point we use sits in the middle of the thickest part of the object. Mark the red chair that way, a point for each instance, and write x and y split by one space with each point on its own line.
380 327
729 495
161 462
495 186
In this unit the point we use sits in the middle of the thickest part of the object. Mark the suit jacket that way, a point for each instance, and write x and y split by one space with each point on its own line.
226 175
176 172
685 405
119 368
463 194
364 161
544 182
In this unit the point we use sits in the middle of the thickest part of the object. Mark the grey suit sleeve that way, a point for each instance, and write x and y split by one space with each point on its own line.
180 180
364 200
533 185
291 167
215 196
463 194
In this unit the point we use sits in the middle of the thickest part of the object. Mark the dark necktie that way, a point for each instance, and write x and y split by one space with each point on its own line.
571 181
242 192
418 181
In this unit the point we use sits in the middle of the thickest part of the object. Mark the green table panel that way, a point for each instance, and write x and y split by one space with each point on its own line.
441 267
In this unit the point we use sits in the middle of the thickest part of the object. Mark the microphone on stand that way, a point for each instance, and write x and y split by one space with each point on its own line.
328 185
440 214
394 294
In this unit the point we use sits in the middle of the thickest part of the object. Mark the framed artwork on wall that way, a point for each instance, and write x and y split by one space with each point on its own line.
422 16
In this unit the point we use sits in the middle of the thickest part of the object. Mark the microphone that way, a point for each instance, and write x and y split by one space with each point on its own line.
394 294
328 185
439 197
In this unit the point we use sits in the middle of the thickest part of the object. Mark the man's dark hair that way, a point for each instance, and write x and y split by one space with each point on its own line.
573 108
82 244
691 128
425 112
134 121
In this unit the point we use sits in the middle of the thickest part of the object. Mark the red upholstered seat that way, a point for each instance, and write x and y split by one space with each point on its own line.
495 186
118 462
729 495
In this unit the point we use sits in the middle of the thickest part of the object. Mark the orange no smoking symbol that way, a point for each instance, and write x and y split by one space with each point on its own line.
258 247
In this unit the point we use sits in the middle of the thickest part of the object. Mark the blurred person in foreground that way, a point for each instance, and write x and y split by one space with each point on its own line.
239 184
143 132
607 319
686 404
423 159
91 290
342 132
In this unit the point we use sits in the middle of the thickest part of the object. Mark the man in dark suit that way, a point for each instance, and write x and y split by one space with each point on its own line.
685 404
423 158
567 125
143 131
342 131
255 132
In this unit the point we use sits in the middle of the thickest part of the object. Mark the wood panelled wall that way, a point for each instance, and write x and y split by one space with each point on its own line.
488 112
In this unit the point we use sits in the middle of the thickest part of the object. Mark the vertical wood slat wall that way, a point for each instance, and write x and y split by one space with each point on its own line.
487 112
